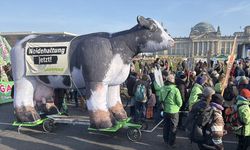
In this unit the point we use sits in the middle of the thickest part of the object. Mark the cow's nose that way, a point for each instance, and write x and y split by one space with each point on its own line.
171 43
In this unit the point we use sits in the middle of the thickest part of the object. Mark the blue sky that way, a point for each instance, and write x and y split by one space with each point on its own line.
87 16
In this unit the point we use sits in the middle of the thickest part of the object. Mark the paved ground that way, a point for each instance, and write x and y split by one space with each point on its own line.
76 137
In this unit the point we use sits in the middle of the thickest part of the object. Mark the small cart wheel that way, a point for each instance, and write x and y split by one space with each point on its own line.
133 134
48 125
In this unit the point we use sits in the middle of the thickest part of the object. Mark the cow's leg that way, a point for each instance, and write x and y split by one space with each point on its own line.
44 99
114 103
24 86
100 117
23 100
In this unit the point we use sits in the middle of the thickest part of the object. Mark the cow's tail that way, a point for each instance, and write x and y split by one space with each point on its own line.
18 57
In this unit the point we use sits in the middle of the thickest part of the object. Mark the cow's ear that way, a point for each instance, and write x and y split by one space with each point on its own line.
143 21
146 23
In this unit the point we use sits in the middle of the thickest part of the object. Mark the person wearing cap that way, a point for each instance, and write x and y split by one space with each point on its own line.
215 129
196 91
206 97
243 134
200 106
243 82
172 103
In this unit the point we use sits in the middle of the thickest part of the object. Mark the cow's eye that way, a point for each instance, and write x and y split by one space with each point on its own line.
153 27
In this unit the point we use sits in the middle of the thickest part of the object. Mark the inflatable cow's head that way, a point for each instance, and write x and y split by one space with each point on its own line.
154 37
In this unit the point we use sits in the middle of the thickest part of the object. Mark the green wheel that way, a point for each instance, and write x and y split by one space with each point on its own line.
48 125
133 134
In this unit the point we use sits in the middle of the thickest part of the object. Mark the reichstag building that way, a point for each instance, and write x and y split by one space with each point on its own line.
204 40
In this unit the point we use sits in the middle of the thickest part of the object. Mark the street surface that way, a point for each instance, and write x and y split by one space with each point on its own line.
77 137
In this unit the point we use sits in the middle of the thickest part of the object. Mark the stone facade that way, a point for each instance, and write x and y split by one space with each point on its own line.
204 40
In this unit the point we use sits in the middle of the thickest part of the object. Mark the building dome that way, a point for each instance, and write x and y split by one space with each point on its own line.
202 28
247 30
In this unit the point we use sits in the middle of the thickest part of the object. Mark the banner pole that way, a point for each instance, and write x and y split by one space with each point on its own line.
231 59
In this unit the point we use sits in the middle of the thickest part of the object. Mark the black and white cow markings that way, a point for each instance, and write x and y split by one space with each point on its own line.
98 61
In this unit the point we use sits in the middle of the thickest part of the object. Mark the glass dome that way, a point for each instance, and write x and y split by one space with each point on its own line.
202 28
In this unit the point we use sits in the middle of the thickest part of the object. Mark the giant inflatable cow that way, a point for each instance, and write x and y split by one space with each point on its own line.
99 61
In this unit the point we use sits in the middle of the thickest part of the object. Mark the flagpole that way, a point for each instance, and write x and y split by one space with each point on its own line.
231 59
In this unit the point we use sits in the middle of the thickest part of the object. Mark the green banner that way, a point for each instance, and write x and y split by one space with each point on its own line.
5 92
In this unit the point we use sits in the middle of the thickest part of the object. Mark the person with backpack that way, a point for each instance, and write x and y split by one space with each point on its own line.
130 83
199 116
172 103
230 94
215 125
243 133
142 92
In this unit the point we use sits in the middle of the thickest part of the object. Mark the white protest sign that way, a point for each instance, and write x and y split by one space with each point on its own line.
47 58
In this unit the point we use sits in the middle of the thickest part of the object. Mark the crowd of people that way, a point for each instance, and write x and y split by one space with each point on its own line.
192 98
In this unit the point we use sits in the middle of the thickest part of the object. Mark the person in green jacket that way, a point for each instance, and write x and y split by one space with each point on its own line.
172 102
218 86
158 89
243 134
196 91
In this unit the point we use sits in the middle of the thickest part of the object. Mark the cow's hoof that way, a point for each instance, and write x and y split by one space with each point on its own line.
118 112
100 119
26 114
51 109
